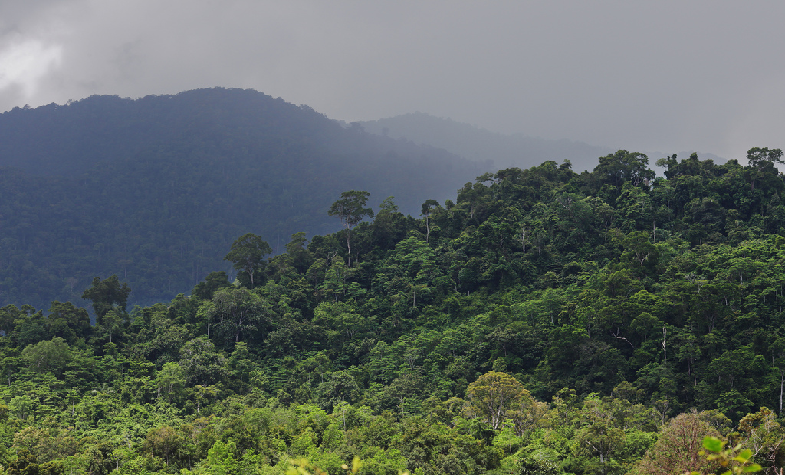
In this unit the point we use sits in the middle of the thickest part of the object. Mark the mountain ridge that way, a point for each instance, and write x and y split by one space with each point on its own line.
503 150
479 144
130 186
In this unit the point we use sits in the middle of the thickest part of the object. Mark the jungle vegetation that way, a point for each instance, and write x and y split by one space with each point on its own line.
541 321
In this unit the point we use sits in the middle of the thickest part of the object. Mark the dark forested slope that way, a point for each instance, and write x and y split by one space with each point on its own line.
155 189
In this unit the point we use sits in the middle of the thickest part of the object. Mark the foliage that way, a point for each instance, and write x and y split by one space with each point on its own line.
247 254
543 322
107 295
736 459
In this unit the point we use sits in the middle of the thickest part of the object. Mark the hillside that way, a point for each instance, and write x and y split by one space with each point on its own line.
540 321
155 189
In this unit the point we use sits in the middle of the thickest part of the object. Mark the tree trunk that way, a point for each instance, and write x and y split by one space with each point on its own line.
349 246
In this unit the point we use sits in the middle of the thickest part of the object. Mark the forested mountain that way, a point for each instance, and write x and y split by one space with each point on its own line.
156 189
541 321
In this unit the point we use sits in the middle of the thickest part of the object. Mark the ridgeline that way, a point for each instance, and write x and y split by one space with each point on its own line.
156 189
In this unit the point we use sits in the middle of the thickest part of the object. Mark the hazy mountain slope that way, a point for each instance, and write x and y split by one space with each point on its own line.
156 189
504 151
479 144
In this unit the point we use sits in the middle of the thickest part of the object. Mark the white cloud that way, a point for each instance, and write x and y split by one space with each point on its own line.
665 75
25 63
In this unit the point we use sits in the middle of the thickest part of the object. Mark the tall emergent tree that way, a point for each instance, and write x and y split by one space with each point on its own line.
758 157
247 254
235 311
494 395
762 162
350 210
426 213
107 295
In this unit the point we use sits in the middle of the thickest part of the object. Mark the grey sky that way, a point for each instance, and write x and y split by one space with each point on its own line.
666 75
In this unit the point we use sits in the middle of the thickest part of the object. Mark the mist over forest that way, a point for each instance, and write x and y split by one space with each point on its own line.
498 151
474 143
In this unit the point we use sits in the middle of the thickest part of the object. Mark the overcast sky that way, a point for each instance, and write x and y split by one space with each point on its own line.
665 75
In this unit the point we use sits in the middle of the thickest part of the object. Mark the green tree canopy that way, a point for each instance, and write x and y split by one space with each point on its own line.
350 209
247 254
494 395
106 295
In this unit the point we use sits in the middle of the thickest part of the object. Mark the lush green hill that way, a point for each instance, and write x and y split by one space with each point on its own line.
542 321
156 189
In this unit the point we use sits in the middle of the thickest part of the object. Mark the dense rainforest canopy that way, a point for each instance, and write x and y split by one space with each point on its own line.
542 321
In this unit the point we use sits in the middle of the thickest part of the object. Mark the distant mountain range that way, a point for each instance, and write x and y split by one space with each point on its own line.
156 189
474 143
498 151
